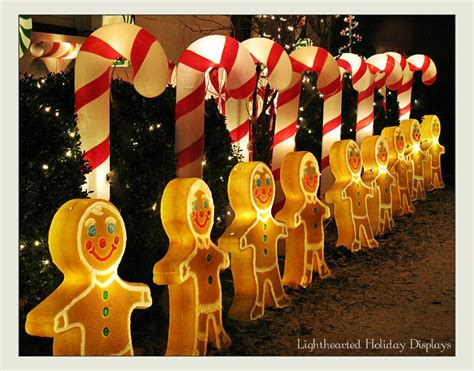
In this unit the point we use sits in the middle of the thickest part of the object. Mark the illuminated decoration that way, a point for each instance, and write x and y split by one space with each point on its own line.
90 312
55 49
304 214
363 83
417 62
92 89
430 132
401 169
412 131
376 175
113 19
318 60
171 74
251 240
353 38
350 194
302 42
209 52
191 268
24 33
387 73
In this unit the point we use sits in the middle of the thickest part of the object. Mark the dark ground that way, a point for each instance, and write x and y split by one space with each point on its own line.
403 290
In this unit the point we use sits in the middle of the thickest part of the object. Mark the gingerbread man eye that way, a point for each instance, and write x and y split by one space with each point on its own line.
305 172
267 180
205 204
111 228
195 206
258 182
91 231
313 170
350 153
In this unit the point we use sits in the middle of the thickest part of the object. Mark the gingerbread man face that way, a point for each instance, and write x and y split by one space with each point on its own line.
435 127
399 139
309 174
381 152
412 130
262 188
354 162
101 237
201 212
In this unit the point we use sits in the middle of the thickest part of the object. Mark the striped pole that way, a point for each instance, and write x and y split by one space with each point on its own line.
319 60
92 89
25 30
55 49
207 53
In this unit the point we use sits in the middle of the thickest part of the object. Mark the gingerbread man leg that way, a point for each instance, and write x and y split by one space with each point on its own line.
308 268
202 334
439 184
419 190
364 227
407 204
221 339
320 264
276 297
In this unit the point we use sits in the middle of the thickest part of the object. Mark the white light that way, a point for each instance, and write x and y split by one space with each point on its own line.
46 262
37 243
150 128
273 17
68 153
229 158
228 213
309 131
221 178
47 109
45 167
297 126
153 207
313 88
42 81
350 130
416 101
300 118
56 113
301 109
72 134
203 163
290 28
38 85
218 218
22 247
158 125
287 46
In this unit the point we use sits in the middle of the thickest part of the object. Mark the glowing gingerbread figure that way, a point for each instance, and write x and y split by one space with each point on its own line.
430 131
412 130
349 195
252 241
376 175
191 269
89 313
304 214
401 169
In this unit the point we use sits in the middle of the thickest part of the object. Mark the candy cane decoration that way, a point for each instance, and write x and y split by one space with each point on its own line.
171 74
417 62
92 89
278 65
24 32
206 53
319 60
55 49
363 82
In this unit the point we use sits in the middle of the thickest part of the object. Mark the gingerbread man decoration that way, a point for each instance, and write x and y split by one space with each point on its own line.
430 132
376 175
350 194
191 269
251 239
90 312
401 169
412 130
304 214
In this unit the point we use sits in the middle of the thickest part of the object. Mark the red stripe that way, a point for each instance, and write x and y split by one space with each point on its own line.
190 102
195 61
98 154
320 60
229 54
287 95
345 65
324 162
430 81
331 125
141 45
297 66
286 133
53 50
273 57
99 47
93 90
239 132
405 87
331 88
390 65
360 72
405 109
244 91
366 93
365 122
426 64
69 51
403 62
190 153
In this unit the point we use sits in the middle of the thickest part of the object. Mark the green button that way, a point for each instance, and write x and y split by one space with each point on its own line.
358 203
315 210
210 280
105 295
358 194
105 311
386 190
265 227
265 251
265 238
209 258
315 225
105 331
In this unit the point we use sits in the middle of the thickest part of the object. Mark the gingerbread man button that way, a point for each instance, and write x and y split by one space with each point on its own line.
350 194
401 169
412 130
90 312
376 175
304 214
430 132
191 269
251 240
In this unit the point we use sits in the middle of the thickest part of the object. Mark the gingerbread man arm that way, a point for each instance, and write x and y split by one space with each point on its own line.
327 210
139 293
225 261
234 239
170 270
443 149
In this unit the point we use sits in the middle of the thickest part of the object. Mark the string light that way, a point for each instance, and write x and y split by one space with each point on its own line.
45 167
37 243
45 262
203 163
72 134
153 207
56 114
47 109
22 247
68 153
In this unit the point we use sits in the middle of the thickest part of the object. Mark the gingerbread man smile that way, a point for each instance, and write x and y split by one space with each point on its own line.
102 244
